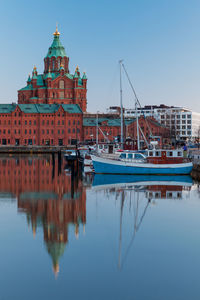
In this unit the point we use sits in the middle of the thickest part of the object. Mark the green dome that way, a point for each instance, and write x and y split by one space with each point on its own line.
56 48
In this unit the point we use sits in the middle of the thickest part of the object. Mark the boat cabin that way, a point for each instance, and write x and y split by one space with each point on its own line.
133 156
159 156
108 148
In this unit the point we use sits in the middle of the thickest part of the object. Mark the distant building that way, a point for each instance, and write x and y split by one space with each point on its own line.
183 123
109 128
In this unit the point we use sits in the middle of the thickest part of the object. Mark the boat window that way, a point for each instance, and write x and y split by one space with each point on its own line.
150 153
138 156
123 155
100 146
157 153
130 155
169 153
105 146
179 153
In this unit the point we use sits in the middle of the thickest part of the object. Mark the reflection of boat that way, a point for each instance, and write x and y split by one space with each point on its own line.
127 181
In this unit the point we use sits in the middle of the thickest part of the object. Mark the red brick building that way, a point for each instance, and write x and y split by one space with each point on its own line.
110 128
40 124
56 84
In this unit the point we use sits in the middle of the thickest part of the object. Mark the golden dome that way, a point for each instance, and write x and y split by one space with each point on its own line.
56 33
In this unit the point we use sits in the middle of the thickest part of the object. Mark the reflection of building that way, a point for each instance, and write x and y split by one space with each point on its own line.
48 197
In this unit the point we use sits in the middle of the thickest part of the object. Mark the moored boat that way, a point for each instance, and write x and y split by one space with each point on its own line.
157 162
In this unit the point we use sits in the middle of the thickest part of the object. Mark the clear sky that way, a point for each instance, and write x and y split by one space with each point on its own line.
159 41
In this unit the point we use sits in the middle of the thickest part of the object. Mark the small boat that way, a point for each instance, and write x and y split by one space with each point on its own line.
158 162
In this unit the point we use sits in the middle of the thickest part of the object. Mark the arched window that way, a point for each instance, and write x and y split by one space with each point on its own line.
61 84
58 63
53 64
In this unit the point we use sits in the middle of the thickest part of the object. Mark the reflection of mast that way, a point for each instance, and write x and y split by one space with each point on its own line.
120 235
136 227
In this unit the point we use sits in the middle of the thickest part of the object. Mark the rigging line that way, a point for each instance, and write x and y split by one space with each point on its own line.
134 234
143 136
135 95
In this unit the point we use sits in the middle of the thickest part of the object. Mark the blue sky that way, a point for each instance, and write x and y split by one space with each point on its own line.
159 41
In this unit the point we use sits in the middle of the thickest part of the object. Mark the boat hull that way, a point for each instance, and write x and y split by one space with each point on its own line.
108 166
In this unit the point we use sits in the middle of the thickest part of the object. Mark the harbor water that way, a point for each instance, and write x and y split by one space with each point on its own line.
96 237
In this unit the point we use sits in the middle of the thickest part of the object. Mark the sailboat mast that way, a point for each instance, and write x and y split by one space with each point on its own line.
138 137
121 105
97 132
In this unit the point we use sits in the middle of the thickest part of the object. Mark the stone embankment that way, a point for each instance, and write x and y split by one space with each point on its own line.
9 150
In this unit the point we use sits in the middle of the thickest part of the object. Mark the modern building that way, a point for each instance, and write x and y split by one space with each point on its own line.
183 123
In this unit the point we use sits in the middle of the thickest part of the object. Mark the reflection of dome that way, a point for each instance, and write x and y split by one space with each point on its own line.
55 250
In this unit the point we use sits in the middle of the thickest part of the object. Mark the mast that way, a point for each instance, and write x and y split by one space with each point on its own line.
138 137
122 125
97 132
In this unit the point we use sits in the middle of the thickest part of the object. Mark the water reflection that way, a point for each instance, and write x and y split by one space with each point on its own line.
140 191
48 196
56 203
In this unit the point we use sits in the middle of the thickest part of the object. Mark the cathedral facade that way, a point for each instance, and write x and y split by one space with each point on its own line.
56 85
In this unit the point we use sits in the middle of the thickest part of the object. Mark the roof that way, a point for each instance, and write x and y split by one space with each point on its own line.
56 48
41 108
108 122
28 108
47 108
7 108
72 108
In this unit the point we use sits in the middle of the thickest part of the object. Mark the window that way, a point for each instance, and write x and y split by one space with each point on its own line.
29 122
62 131
34 122
69 130
69 122
61 95
179 153
123 155
169 153
51 122
73 130
15 122
58 131
157 153
30 131
58 122
25 122
43 122
47 122
61 84
19 122
62 122
183 116
25 131
130 155
47 131
74 122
